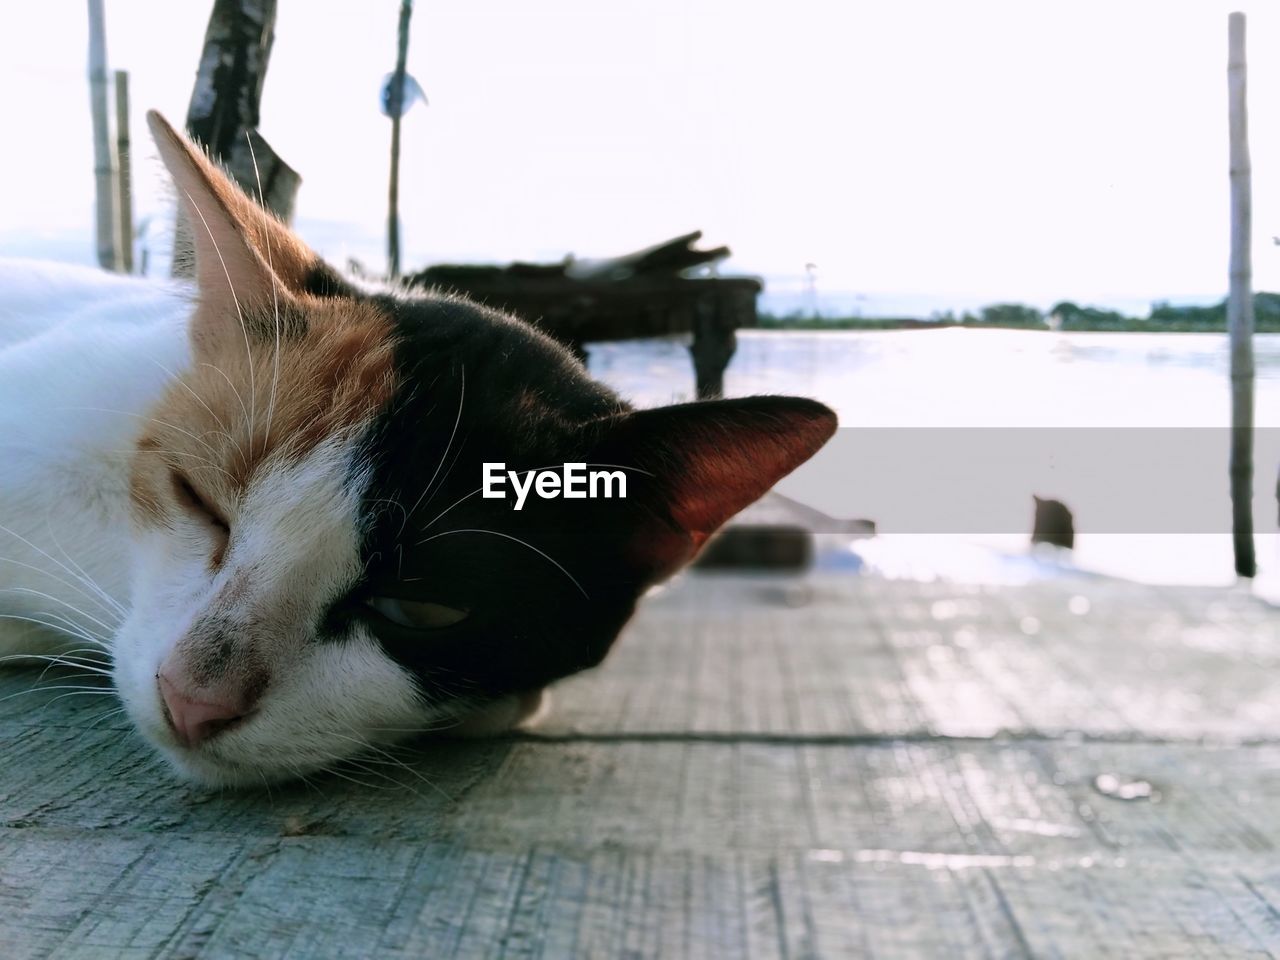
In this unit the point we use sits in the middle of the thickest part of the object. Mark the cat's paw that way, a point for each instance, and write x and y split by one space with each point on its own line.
501 716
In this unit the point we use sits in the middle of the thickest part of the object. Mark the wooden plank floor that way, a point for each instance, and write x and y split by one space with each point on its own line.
842 767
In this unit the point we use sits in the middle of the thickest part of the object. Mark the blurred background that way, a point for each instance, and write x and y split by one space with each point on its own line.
1044 185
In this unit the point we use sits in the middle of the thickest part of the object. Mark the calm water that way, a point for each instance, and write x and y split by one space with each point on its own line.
999 378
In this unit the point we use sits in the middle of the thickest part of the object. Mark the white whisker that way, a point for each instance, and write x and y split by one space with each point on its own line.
100 644
244 328
87 692
275 295
43 553
110 713
359 783
365 744
204 462
142 416
243 409
84 577
363 763
52 576
462 395
70 606
611 466
61 659
507 536
79 635
226 428
80 671
39 689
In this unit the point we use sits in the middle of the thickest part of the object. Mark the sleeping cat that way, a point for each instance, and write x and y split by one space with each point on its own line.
259 499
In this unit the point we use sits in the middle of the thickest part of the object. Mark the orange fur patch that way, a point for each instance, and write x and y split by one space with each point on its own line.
243 407
219 210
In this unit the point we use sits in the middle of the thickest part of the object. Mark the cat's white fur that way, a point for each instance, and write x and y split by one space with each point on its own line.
84 355
296 550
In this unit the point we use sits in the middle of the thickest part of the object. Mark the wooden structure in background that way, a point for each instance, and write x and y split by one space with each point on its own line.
642 294
1240 304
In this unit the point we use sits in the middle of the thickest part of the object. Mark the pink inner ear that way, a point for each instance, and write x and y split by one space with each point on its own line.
710 460
243 254
717 488
227 265
724 478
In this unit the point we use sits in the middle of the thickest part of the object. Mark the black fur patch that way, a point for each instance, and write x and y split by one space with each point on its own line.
545 588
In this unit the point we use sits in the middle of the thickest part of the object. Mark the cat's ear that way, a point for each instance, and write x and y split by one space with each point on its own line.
703 462
243 255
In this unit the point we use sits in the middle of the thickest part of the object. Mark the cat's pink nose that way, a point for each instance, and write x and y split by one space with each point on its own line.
197 717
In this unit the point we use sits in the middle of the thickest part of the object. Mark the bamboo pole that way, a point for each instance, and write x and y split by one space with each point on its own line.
103 161
124 173
395 103
1240 304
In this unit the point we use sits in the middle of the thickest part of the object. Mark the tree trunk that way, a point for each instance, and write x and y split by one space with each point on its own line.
233 69
223 115
1240 305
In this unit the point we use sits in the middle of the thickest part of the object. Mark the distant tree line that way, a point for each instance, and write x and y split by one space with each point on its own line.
1064 315
1167 316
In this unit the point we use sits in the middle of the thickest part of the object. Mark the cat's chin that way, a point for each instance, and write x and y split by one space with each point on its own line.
204 768
217 766
207 772
504 715
217 774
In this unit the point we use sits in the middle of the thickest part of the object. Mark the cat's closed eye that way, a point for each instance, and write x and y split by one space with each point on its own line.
416 614
194 503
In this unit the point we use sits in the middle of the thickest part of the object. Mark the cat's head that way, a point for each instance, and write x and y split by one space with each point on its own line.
317 570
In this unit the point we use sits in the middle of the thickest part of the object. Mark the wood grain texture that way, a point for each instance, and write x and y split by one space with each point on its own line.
817 767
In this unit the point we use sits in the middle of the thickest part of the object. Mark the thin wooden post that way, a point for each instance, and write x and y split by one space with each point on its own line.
395 104
124 172
103 161
1240 304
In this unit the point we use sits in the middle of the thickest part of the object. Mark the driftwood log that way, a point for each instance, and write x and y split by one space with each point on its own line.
641 294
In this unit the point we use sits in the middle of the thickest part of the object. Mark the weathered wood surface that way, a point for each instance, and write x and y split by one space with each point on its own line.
813 767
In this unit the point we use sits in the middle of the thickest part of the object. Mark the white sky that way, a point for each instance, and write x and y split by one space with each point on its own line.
1029 151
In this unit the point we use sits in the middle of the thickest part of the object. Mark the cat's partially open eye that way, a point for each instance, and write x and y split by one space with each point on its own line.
417 614
192 500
